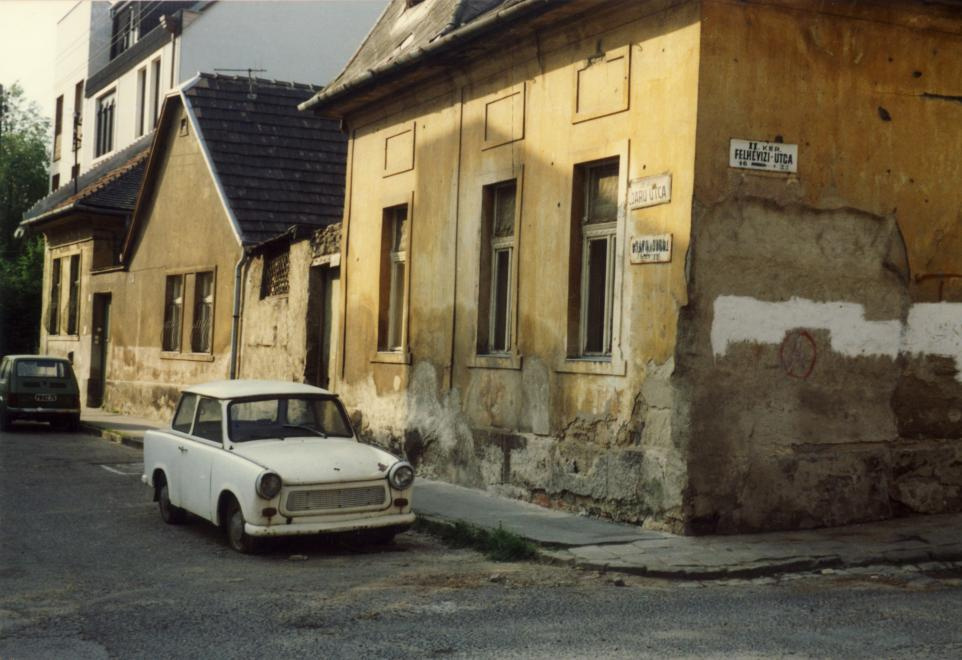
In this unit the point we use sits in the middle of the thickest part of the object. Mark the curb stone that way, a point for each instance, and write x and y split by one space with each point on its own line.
126 439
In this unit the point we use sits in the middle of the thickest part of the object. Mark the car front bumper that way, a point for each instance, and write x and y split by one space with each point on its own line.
398 520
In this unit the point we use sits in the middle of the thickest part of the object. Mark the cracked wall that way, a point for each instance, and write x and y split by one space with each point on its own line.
590 435
819 354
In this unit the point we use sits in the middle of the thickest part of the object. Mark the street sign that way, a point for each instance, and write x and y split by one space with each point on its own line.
651 249
764 156
649 191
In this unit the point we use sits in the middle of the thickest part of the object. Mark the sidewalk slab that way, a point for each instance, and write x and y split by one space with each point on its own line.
592 543
121 429
547 527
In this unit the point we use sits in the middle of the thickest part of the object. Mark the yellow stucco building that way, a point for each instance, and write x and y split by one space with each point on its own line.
691 264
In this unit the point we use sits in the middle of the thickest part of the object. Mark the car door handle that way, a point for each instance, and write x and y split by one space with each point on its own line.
183 450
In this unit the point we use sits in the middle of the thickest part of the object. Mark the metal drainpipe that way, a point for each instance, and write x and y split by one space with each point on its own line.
236 314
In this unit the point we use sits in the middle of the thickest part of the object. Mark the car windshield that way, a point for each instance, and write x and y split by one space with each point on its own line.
41 368
285 417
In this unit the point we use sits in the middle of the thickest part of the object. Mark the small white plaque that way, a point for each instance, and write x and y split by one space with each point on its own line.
649 191
653 249
764 156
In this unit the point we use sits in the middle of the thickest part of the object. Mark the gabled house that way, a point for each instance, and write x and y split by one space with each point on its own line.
116 61
688 264
83 225
233 164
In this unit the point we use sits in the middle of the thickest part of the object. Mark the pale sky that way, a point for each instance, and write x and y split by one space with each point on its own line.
28 33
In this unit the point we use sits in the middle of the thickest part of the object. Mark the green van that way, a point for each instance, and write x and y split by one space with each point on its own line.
41 388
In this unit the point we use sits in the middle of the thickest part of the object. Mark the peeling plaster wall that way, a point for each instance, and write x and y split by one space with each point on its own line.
274 330
819 355
184 230
591 436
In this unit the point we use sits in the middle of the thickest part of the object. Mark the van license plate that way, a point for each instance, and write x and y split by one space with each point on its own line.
46 398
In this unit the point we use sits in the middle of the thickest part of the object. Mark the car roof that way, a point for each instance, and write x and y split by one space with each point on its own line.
36 357
235 389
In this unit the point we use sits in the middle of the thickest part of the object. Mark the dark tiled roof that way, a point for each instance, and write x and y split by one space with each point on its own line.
405 36
111 185
278 167
402 29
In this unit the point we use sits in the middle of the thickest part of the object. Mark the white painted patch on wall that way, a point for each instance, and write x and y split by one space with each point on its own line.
935 329
740 318
931 329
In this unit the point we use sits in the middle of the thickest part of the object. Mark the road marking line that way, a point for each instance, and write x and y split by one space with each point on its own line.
110 469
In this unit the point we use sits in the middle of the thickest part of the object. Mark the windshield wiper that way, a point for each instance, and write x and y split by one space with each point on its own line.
306 428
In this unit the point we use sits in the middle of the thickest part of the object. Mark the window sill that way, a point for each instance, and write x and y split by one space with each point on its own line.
392 357
63 337
190 357
495 361
592 366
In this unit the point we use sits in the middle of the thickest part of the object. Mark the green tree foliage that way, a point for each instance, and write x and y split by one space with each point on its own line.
23 180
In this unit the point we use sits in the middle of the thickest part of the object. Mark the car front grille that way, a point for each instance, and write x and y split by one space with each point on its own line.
336 499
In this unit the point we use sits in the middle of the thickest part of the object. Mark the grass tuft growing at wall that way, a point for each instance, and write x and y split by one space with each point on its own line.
498 544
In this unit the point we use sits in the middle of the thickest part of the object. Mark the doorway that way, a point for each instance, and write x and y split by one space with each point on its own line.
99 339
322 301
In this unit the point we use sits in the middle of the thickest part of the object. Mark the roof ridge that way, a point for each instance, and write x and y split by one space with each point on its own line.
284 84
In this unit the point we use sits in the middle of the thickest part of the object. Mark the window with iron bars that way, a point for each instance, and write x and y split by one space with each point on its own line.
275 279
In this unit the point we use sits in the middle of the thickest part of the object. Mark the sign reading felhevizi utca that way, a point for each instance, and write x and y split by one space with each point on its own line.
652 249
764 156
649 191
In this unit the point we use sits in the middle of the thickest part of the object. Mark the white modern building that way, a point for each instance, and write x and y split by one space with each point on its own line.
117 60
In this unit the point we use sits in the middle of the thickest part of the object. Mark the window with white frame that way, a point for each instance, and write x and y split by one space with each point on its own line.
593 252
58 129
173 312
495 299
73 295
53 305
155 99
141 118
104 138
203 321
393 293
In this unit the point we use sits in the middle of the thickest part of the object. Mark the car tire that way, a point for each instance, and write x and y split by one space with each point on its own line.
4 420
237 538
73 423
170 514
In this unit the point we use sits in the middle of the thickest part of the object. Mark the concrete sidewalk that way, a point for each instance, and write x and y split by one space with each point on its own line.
592 543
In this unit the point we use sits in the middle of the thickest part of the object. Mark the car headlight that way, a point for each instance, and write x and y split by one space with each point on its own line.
401 475
268 485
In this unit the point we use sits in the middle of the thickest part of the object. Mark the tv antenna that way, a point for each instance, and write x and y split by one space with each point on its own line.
250 78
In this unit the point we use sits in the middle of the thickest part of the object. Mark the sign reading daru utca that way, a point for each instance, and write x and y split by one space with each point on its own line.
649 191
653 249
765 156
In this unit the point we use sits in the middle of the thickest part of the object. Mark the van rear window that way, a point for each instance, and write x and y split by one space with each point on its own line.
41 369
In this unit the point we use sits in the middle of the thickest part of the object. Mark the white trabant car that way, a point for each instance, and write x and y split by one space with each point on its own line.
268 458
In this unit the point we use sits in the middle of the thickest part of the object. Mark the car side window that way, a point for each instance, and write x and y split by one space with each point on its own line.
4 368
185 413
208 424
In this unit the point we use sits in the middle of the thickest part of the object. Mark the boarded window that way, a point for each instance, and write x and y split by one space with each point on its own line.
173 312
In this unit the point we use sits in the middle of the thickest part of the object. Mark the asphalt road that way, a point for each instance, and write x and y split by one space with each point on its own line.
88 570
